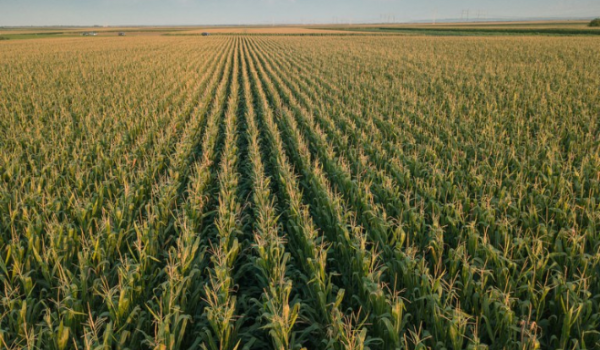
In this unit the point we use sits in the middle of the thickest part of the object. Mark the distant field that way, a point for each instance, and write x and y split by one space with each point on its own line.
66 30
69 32
41 33
264 30
441 29
495 28
514 25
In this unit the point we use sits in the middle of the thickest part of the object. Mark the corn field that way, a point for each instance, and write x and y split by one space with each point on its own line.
273 192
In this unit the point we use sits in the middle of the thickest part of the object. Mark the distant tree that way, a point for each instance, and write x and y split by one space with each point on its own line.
595 23
3 38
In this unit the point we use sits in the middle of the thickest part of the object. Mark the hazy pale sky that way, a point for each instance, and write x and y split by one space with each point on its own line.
166 12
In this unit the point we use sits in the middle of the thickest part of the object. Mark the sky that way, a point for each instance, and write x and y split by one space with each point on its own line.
215 12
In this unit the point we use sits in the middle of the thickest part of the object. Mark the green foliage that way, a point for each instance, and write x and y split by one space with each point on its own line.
288 192
595 23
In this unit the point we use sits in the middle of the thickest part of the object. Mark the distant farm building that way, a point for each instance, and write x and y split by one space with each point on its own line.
205 34
89 33
121 33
